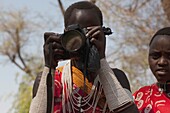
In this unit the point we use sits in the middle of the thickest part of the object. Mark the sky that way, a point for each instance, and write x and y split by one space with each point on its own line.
8 81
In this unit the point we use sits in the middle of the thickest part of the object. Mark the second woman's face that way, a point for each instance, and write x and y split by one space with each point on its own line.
159 58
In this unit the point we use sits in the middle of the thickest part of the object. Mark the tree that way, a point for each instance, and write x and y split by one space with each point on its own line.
16 32
19 32
23 97
166 7
134 22
20 43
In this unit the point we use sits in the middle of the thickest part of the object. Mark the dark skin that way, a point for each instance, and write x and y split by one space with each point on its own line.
86 19
159 58
90 20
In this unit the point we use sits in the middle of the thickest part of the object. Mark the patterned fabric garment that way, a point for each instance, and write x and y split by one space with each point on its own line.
149 99
77 91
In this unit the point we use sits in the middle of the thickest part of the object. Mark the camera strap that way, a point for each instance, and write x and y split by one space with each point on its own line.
91 60
85 71
88 46
49 84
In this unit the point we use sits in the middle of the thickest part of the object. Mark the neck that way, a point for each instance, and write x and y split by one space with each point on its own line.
89 75
165 86
78 64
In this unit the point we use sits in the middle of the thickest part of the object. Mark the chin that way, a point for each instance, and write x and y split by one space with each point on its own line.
162 80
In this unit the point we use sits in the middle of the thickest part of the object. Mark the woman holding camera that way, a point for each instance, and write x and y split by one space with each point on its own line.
86 83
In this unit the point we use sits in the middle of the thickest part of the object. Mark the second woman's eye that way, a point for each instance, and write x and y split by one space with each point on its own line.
155 55
168 55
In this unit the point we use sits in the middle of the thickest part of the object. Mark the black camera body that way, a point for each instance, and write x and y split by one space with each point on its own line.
74 40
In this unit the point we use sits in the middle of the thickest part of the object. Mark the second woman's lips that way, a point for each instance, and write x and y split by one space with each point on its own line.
161 71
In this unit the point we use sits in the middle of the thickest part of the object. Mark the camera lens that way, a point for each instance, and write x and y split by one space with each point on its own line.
72 40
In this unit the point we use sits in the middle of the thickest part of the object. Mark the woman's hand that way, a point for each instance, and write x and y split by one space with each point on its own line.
53 50
97 37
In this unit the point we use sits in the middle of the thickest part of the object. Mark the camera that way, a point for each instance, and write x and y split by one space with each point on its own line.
74 39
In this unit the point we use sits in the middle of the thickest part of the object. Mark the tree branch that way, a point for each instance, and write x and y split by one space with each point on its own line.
12 58
19 47
61 7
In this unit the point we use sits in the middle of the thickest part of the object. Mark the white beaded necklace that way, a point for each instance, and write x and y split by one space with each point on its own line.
72 101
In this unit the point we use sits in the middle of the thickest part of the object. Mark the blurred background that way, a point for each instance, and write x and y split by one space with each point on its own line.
23 23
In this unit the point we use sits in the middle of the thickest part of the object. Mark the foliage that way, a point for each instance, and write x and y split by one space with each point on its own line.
16 32
134 22
23 97
166 7
21 44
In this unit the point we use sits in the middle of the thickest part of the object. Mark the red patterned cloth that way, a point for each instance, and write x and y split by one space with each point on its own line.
150 100
58 94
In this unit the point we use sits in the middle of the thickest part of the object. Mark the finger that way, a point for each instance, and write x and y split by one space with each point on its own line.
95 41
54 51
47 34
58 52
46 49
96 33
91 27
59 55
92 30
53 38
56 45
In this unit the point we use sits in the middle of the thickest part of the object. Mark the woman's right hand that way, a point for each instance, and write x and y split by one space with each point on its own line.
53 50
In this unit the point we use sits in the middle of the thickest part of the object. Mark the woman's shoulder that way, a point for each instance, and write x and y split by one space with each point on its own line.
122 78
144 89
147 87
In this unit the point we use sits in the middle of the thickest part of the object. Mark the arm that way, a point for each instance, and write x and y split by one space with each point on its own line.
39 101
122 78
43 86
36 84
117 98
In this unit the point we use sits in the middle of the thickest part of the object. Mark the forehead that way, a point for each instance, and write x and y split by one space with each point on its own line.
161 42
84 17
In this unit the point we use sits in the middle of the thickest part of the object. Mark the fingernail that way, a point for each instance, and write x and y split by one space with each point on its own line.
87 35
